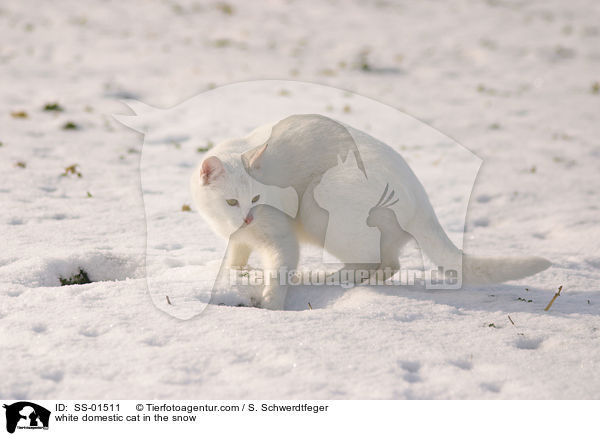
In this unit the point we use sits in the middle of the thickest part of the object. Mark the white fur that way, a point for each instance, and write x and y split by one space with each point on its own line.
297 153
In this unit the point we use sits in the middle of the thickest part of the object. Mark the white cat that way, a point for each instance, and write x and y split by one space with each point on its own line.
296 152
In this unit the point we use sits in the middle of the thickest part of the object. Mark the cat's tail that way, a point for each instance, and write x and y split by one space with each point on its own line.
483 270
475 270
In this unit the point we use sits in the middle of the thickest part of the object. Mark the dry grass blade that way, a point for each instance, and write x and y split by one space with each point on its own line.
553 298
72 169
19 114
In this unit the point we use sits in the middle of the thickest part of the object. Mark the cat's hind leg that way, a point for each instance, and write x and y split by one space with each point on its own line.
390 247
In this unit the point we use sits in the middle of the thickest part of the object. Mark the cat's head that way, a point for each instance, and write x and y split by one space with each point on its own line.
224 193
340 184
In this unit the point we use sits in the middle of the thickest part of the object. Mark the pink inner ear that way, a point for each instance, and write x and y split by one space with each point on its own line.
212 167
254 160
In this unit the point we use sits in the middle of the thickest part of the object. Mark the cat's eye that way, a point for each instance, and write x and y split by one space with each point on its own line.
256 198
232 202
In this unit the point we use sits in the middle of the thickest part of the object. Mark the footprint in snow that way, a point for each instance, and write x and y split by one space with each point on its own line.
55 375
155 341
89 332
524 343
39 328
412 371
462 364
491 387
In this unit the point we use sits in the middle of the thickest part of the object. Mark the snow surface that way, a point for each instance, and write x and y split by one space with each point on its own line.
512 81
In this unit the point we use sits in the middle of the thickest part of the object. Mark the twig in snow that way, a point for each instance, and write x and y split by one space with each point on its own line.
309 306
19 114
168 301
553 298
72 169
511 321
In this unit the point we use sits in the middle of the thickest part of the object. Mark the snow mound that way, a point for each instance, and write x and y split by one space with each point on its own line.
47 271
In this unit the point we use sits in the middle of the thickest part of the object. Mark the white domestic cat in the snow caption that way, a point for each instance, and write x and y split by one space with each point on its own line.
266 192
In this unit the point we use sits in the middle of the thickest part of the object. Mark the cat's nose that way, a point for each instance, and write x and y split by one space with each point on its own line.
248 218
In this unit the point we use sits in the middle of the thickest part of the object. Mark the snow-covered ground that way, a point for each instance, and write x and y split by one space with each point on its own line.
514 82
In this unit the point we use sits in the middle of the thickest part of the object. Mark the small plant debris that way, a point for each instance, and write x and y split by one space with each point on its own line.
363 61
524 300
209 145
168 301
19 114
21 164
222 42
186 208
562 136
71 170
596 88
1 143
76 279
327 72
492 325
553 298
510 319
89 195
70 125
347 109
309 306
226 8
53 107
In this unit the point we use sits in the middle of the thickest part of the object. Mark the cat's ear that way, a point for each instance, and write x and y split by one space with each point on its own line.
252 159
211 168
